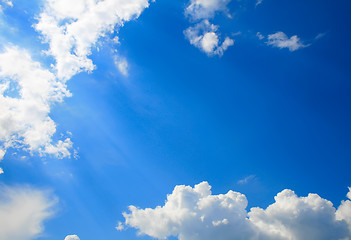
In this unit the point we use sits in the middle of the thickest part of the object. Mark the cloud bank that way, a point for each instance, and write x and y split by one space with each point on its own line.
194 214
23 211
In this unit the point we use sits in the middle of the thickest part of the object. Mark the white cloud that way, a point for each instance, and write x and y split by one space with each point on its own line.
122 65
260 36
120 226
27 93
72 27
293 217
1 171
7 2
23 211
72 237
204 36
320 35
195 214
205 9
3 5
344 211
2 153
281 40
246 179
258 2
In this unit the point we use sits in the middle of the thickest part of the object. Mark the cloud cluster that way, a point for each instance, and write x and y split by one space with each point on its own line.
22 212
27 93
195 214
28 90
72 27
203 34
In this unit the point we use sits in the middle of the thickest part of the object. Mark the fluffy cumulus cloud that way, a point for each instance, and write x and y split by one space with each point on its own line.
281 40
344 211
195 213
293 217
27 92
203 34
72 237
72 27
23 211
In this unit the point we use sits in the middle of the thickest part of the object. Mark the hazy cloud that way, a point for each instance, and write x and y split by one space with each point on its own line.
258 2
122 65
246 179
205 9
23 211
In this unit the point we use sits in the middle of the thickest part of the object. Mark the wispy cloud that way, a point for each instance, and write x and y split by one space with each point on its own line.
122 65
320 35
258 2
246 179
281 40
260 36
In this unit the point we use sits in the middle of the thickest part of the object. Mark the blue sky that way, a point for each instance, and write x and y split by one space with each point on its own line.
112 103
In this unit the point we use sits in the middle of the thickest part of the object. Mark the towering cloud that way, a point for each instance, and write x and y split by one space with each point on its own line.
194 214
